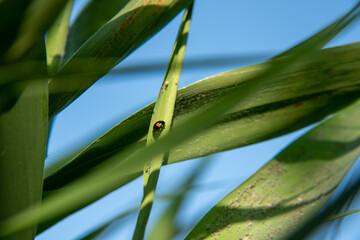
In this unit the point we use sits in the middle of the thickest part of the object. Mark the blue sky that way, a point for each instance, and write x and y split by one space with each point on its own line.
219 28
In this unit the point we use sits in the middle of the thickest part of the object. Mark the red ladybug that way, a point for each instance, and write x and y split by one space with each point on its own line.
159 126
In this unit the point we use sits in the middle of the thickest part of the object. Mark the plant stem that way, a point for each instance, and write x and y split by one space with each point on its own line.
162 115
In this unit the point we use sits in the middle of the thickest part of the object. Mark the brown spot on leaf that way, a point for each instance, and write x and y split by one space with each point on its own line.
298 104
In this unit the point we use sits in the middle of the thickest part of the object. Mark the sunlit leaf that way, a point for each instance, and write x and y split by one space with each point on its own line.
92 17
161 122
280 106
127 30
291 188
56 38
339 202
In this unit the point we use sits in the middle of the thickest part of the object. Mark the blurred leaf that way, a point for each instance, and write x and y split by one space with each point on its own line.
200 62
114 173
11 15
20 72
38 17
33 70
127 30
92 17
95 233
280 106
10 92
163 113
290 189
22 152
56 38
166 228
23 120
330 31
341 215
333 228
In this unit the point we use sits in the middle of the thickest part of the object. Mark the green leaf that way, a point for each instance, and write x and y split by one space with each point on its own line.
10 23
56 39
328 31
12 76
341 215
166 228
23 141
114 173
162 114
280 106
38 18
290 189
95 233
93 16
127 30
340 202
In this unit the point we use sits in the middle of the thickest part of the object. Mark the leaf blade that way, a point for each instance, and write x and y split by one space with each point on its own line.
94 15
56 38
9 23
291 188
22 153
127 30
302 100
37 19
162 114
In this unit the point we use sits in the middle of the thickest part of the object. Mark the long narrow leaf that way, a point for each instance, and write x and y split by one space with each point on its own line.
304 230
200 62
341 215
96 233
313 93
161 122
291 188
22 152
166 228
56 38
11 15
93 16
127 30
346 19
38 18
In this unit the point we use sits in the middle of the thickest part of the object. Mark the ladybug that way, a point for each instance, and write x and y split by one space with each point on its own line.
159 126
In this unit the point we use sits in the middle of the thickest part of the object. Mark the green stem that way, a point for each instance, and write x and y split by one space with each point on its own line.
163 111
341 215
